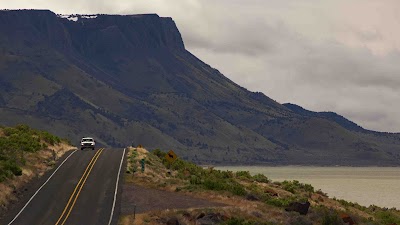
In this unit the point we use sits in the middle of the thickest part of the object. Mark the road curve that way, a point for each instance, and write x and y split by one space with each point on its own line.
82 190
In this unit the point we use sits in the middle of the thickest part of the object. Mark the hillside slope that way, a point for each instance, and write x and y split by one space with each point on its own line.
130 80
184 193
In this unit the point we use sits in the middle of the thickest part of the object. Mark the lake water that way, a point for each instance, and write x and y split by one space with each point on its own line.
365 185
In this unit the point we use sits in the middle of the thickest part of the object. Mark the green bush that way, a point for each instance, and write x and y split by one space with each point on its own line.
243 174
17 141
279 202
387 217
13 167
261 178
195 180
9 169
160 154
293 186
237 189
214 184
331 218
49 138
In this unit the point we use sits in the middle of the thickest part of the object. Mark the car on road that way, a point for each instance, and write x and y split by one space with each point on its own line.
88 142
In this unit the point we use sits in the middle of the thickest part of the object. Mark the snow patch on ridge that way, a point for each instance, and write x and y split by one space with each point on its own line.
76 17
89 16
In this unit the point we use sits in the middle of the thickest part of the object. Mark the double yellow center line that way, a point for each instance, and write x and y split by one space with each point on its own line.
74 196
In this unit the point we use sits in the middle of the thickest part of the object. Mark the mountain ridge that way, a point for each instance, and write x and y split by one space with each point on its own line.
129 80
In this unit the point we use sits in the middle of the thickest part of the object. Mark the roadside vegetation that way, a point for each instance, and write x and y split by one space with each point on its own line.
15 143
25 153
250 199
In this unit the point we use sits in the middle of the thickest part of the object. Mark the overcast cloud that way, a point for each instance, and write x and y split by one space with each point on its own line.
331 55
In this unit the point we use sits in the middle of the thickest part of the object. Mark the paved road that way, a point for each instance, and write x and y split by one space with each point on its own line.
82 191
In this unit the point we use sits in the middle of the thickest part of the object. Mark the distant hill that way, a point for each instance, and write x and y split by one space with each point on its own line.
334 117
128 79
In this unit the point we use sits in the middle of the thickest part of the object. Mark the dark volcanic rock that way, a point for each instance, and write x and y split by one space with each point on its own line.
173 221
299 207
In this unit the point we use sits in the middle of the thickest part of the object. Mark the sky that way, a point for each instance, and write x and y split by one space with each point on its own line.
330 55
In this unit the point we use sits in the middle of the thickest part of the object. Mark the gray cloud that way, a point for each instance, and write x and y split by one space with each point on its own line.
332 55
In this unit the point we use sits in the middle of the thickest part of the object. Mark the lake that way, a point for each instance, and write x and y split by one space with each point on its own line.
365 185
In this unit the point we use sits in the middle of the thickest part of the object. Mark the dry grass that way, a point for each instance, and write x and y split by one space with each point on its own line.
36 165
155 174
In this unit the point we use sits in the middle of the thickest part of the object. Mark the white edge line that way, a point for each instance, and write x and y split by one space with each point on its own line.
116 188
40 188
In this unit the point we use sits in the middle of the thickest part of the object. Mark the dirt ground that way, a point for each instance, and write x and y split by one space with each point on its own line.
147 199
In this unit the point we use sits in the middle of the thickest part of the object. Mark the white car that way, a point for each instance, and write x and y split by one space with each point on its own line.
88 142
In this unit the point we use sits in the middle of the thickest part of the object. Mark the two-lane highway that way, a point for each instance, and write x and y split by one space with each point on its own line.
82 190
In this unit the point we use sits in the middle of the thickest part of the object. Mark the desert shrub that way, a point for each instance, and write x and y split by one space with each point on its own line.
178 164
293 186
227 174
160 154
66 141
279 202
9 131
4 174
351 204
237 189
17 141
49 138
195 179
308 187
319 191
8 169
387 217
327 216
208 179
13 167
261 178
243 174
289 186
23 128
214 184
133 162
283 201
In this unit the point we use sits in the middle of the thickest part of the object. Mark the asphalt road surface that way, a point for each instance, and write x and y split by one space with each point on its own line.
83 189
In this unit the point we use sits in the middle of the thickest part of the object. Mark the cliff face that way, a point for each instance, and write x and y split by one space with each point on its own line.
129 79
45 27
122 34
28 28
